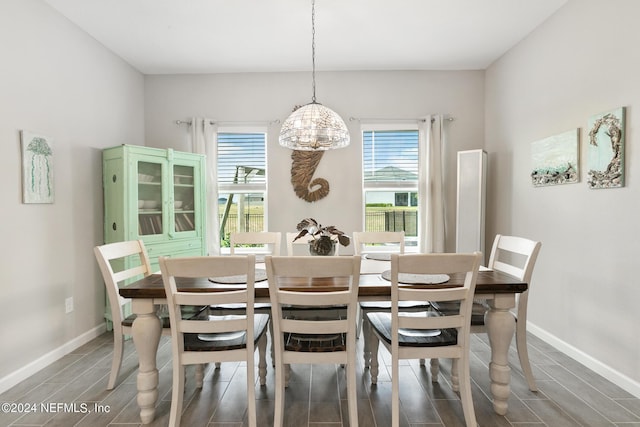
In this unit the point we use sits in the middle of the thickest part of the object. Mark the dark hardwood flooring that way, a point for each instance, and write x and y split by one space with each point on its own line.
570 394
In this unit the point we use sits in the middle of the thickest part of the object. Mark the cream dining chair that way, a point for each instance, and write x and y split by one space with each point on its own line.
313 340
379 245
259 243
111 260
427 334
517 257
213 338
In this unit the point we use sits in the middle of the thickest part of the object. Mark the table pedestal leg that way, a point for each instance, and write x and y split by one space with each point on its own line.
146 331
500 328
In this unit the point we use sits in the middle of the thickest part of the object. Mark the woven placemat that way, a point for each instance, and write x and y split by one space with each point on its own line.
261 275
378 257
417 279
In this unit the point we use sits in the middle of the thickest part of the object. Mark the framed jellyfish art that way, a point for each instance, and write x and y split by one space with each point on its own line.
37 168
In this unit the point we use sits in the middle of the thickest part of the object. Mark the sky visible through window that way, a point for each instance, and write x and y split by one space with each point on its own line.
243 154
390 155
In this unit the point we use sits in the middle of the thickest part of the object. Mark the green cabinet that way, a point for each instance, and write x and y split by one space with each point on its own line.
157 195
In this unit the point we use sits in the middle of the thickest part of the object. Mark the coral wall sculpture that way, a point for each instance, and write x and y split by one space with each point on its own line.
606 150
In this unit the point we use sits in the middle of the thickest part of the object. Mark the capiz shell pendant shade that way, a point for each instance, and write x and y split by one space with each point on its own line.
314 127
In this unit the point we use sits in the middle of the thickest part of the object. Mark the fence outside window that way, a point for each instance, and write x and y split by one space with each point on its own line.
391 220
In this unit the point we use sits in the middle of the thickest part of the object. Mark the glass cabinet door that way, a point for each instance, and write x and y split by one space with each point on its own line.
150 219
183 198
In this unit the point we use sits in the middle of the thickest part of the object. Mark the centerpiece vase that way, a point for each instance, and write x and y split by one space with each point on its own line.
323 246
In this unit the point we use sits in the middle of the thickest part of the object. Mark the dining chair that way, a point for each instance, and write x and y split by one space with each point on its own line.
517 257
258 242
113 259
428 334
303 241
313 282
379 245
213 338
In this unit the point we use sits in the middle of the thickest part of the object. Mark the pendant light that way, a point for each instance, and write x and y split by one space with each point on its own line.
314 126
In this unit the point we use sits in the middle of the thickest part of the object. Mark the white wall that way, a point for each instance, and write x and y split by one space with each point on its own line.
264 97
56 80
583 61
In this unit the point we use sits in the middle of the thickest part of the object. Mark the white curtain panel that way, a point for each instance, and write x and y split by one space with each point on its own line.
432 230
204 140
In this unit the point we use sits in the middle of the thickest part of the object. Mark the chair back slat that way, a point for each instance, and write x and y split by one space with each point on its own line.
445 294
215 325
315 299
123 275
427 323
197 298
514 255
312 267
378 241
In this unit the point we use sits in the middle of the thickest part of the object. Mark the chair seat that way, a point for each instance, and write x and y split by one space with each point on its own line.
381 323
228 340
386 305
478 310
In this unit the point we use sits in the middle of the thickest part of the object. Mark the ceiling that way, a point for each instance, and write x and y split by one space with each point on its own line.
224 36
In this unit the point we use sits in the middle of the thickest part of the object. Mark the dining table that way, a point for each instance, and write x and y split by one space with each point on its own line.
497 288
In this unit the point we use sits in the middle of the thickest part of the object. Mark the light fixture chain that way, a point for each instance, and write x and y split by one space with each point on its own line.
313 49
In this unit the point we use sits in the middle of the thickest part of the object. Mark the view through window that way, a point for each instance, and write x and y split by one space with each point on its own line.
390 181
241 183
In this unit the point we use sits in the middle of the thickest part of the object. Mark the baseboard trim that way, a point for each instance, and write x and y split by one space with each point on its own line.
590 362
25 372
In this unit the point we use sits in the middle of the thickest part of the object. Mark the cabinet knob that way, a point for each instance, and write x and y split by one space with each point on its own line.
114 178
114 226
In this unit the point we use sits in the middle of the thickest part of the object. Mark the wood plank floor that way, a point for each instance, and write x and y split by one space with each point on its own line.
570 394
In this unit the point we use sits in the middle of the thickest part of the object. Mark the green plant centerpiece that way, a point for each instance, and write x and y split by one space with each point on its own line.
324 238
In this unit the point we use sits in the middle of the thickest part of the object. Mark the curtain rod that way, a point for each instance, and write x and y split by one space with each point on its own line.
368 119
212 122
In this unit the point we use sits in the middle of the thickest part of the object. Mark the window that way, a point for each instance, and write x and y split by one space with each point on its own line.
241 182
390 181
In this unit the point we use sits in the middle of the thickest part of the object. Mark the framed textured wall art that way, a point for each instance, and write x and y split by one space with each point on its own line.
37 168
554 160
605 150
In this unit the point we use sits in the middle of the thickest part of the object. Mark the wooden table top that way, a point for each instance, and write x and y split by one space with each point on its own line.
371 285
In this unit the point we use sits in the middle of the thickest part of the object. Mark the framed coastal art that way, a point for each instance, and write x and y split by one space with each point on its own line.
605 150
554 160
37 168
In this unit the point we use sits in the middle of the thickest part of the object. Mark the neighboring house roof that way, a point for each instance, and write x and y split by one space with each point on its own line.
392 173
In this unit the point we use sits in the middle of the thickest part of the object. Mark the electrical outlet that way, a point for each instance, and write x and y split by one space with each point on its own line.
68 305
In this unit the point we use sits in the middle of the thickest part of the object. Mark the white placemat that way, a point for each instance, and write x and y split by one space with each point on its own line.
378 257
261 275
415 279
